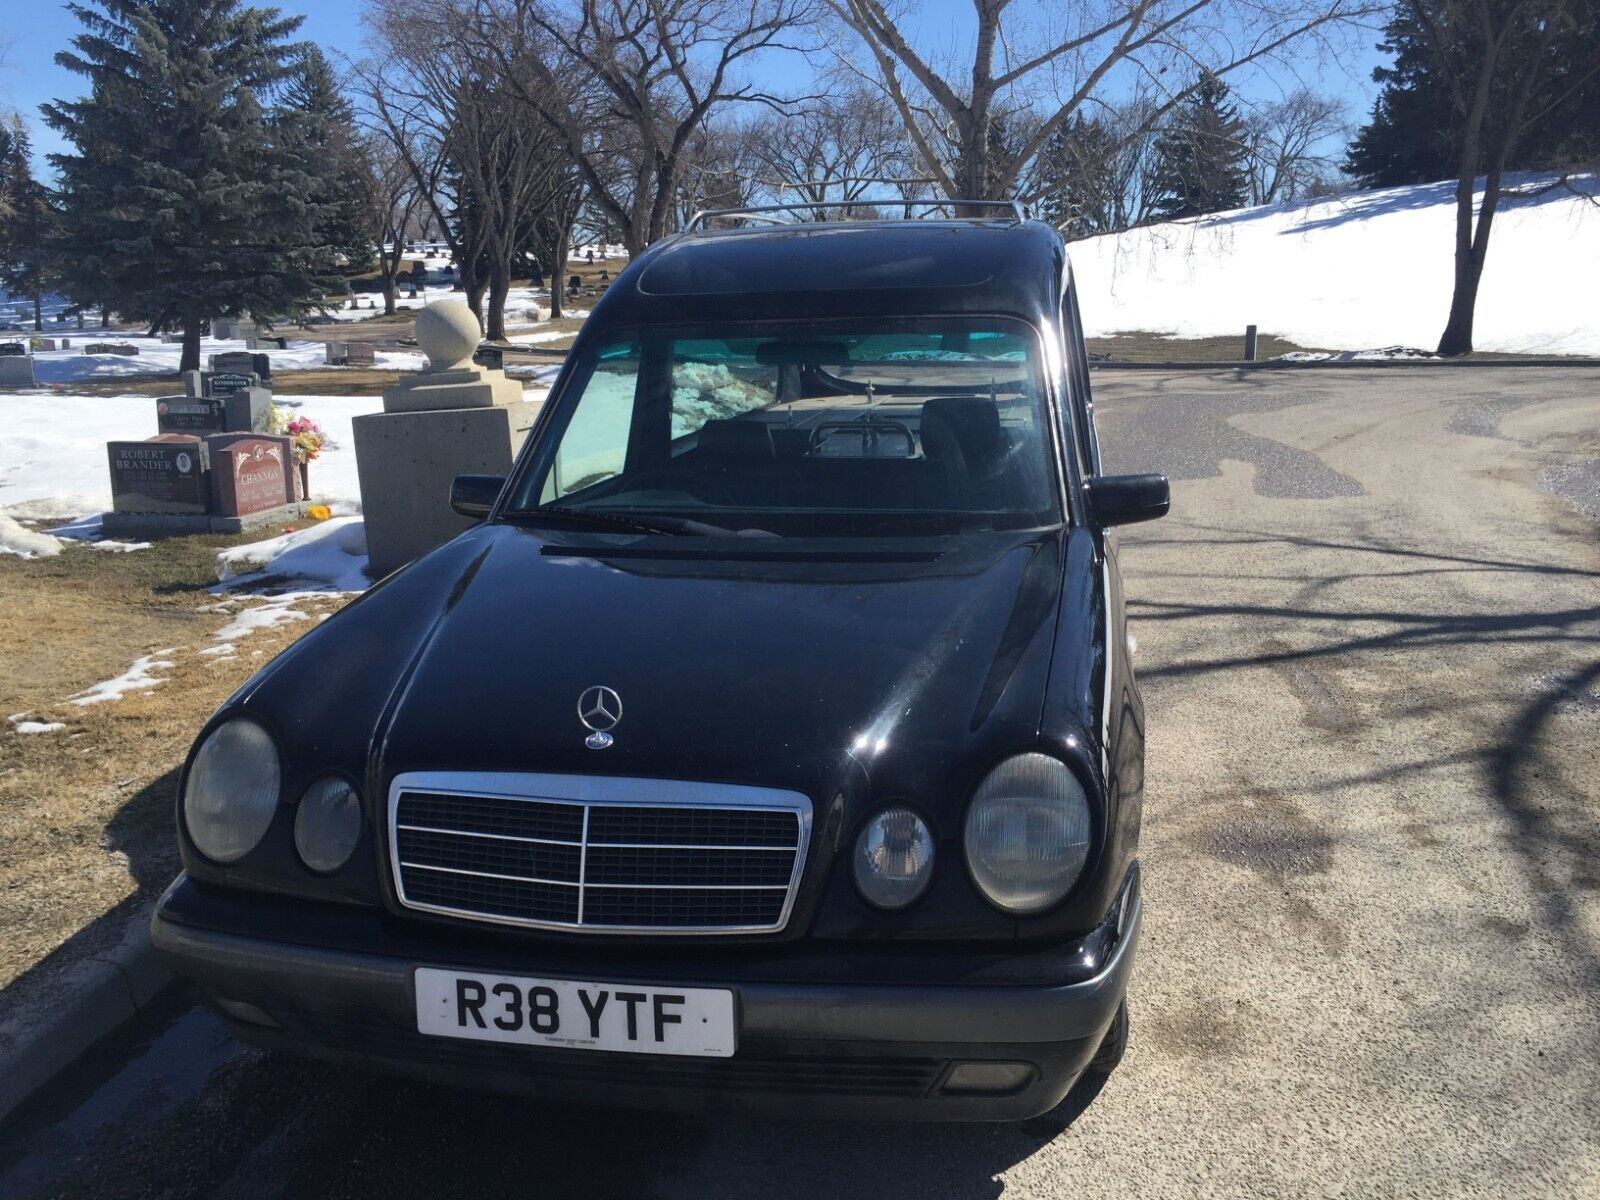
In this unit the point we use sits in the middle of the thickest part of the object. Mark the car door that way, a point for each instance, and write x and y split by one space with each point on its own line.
1122 709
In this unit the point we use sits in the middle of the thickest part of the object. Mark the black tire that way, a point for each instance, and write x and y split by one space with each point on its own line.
1112 1045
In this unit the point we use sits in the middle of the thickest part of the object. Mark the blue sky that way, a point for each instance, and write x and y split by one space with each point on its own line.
29 74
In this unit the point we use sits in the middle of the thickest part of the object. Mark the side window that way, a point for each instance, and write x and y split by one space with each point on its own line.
709 382
595 444
1078 359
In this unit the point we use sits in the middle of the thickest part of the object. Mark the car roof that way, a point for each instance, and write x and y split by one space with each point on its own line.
815 270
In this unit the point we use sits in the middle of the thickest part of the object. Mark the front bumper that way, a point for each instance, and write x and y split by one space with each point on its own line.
870 1049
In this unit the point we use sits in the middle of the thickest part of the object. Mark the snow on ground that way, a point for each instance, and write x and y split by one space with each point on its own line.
19 725
140 677
157 357
1360 270
25 543
328 556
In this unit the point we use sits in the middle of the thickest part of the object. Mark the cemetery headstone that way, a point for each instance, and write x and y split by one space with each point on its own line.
196 417
16 371
250 473
573 284
247 410
492 357
165 474
44 343
242 362
12 349
233 328
360 354
220 383
333 353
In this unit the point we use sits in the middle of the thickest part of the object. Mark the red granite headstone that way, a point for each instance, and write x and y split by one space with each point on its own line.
250 472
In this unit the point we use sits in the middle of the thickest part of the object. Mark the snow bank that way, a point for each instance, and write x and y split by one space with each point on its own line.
330 556
24 543
1355 271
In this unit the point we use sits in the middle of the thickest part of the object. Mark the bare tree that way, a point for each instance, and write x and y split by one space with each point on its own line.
1501 63
718 167
849 145
655 72
1035 83
391 200
1288 142
453 110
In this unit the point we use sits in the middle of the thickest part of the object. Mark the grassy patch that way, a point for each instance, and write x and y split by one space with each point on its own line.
1144 346
86 810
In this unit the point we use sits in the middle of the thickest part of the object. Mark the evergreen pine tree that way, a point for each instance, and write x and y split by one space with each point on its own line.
1200 156
26 221
1074 187
1414 133
182 201
319 130
1411 136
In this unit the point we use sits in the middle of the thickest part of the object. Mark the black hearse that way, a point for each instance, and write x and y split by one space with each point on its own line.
773 740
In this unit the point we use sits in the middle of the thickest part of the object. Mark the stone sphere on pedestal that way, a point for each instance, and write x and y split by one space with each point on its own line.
447 333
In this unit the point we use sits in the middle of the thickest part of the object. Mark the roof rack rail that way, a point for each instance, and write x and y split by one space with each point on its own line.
768 213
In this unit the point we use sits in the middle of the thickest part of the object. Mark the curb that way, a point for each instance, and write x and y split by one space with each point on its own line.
101 994
1273 364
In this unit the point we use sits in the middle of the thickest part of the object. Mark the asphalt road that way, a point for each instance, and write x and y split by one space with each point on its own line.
1370 641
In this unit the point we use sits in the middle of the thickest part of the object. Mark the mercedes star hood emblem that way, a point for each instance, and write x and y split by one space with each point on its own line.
599 708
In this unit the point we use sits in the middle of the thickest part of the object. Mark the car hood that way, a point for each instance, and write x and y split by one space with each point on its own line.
843 670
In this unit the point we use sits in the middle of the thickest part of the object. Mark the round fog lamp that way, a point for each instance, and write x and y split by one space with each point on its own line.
894 858
1027 833
327 824
231 791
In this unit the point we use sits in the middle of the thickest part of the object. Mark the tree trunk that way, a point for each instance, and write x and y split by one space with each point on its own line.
105 317
558 272
190 360
38 313
390 295
499 284
1472 247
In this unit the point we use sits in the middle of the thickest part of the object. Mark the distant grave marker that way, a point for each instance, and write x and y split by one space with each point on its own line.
16 371
242 362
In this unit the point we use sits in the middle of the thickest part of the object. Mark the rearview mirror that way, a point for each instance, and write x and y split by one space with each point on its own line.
1127 499
474 495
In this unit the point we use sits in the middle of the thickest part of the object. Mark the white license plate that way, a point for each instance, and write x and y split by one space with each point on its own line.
565 1012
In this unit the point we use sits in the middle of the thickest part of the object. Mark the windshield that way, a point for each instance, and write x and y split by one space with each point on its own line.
885 428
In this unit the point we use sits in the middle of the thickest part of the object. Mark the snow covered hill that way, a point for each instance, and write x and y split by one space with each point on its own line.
1360 270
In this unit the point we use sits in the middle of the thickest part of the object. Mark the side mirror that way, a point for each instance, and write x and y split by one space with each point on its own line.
474 495
1127 499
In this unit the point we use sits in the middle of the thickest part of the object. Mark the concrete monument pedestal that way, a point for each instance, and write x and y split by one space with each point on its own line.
452 418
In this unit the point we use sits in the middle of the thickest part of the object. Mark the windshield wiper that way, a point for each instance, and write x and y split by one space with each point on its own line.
676 526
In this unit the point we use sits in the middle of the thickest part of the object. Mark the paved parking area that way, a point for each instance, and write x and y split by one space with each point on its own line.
1370 641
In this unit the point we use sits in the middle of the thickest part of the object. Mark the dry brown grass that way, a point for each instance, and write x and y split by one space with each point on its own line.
86 811
1143 346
